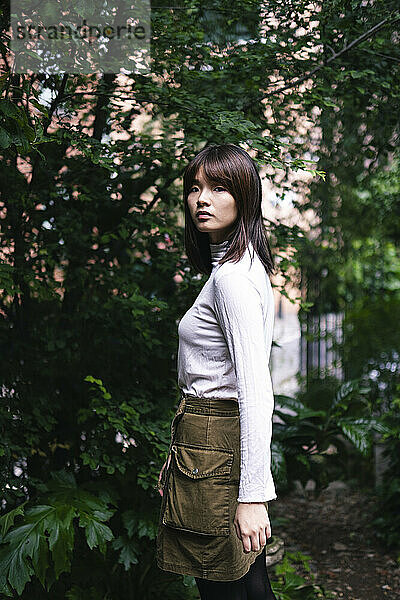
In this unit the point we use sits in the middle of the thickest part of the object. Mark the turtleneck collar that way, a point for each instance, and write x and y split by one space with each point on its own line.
218 251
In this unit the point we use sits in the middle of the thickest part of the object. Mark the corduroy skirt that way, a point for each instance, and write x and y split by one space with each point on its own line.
196 534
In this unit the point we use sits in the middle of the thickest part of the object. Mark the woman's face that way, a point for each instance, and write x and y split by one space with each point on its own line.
218 203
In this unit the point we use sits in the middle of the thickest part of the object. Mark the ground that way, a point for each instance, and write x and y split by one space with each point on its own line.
336 531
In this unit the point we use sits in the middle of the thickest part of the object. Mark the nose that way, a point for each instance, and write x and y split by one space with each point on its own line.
204 197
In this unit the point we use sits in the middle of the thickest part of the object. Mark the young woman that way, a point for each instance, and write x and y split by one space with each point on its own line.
217 481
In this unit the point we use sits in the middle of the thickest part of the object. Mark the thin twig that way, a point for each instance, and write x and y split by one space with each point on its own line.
382 55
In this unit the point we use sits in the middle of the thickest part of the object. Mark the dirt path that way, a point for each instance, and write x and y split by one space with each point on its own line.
336 532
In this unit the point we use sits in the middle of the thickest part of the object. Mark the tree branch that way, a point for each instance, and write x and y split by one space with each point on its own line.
334 56
55 102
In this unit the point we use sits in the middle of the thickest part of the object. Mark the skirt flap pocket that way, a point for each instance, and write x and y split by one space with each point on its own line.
198 490
198 462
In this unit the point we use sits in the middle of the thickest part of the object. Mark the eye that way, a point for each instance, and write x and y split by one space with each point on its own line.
220 187
192 188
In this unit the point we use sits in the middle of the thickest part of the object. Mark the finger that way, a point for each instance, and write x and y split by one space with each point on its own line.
255 542
268 530
246 541
237 530
263 537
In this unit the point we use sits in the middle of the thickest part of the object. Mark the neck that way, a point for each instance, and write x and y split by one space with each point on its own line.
218 250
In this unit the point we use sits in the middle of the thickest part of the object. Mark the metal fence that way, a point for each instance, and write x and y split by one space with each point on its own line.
321 337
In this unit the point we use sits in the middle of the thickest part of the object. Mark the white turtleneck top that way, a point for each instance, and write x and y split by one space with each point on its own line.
225 343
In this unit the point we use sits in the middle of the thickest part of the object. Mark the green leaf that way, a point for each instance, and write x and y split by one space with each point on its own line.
7 520
9 109
129 520
63 478
61 538
278 462
40 559
20 571
5 138
358 432
97 534
129 554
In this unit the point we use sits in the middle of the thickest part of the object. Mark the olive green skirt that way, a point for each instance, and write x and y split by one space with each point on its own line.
196 534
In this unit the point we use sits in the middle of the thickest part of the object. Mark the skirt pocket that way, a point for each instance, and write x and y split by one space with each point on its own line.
197 494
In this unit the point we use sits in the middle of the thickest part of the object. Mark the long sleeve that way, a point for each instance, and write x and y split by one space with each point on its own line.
239 311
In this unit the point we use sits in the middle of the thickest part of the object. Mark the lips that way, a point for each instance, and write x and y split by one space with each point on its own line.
203 212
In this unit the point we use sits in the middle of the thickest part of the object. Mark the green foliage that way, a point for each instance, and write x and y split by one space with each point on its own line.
290 585
15 131
371 340
93 277
313 443
106 422
47 531
387 518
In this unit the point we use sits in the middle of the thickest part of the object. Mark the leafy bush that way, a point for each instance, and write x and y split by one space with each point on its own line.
313 441
79 529
387 515
290 585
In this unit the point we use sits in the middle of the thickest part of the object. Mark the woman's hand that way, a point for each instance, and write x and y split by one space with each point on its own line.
165 465
252 525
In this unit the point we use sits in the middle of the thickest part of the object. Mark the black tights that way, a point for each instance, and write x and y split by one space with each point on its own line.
254 585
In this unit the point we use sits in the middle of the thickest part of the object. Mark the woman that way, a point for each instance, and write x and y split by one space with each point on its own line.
217 481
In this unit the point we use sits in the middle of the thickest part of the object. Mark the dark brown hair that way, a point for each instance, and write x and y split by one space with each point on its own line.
233 168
